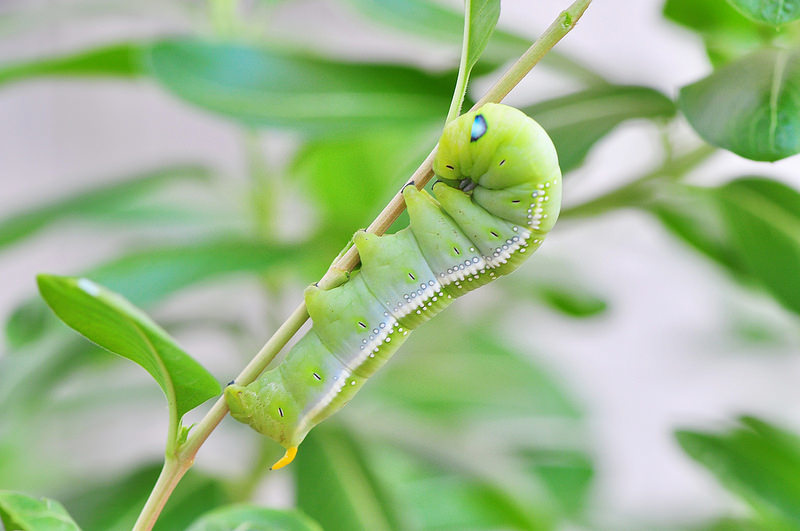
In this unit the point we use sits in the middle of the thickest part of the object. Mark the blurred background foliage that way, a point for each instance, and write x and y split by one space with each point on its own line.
467 428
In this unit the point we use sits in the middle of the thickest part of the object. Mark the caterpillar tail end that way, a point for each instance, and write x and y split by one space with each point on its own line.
287 458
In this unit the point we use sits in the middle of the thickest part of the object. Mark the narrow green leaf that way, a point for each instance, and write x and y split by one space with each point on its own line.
577 121
112 322
417 16
480 18
147 277
338 488
483 15
254 518
763 220
268 88
759 462
775 12
572 301
103 202
433 20
116 60
750 107
19 512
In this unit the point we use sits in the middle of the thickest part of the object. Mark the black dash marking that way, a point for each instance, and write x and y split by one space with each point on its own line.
412 276
450 167
231 382
493 233
362 324
280 411
456 250
317 376
502 162
479 128
515 201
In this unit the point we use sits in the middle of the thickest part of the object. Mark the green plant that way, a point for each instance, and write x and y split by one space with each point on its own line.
361 130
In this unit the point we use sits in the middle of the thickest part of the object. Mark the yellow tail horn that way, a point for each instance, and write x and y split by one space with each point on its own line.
287 458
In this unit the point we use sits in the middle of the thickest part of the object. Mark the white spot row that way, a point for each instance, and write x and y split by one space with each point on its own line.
536 209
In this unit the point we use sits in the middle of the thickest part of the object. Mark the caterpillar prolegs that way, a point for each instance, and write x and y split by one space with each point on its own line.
498 194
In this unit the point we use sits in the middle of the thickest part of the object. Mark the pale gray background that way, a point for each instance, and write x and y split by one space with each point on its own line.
664 356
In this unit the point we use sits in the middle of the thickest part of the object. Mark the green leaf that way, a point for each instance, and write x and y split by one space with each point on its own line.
566 474
750 107
350 177
112 322
338 488
492 380
725 32
114 504
27 323
149 276
103 202
483 15
435 496
430 19
762 217
775 12
759 462
577 121
480 18
730 524
25 513
572 301
254 518
116 60
694 215
454 502
417 16
268 88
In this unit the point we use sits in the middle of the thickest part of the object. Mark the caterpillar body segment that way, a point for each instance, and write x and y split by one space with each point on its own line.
499 194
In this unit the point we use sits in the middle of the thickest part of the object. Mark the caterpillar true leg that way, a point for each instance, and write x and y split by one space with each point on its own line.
499 193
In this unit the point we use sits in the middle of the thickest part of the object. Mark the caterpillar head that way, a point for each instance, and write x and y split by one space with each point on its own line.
495 147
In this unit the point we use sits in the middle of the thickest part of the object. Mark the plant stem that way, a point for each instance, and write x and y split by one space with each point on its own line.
634 191
171 474
463 70
174 470
556 31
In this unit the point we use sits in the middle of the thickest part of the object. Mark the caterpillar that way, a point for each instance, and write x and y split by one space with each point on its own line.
497 195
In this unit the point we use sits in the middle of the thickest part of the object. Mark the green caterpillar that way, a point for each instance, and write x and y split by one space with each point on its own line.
499 193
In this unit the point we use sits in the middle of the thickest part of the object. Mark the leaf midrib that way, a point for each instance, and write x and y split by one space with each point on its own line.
169 384
778 77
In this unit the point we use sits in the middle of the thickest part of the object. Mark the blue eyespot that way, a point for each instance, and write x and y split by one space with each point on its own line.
479 128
